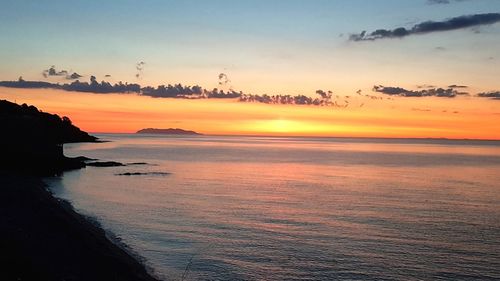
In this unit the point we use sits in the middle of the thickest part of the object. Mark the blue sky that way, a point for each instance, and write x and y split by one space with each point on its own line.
262 45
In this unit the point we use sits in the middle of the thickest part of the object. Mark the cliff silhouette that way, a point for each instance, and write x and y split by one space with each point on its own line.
32 140
42 237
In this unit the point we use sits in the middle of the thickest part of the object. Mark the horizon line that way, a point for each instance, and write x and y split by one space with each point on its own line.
303 136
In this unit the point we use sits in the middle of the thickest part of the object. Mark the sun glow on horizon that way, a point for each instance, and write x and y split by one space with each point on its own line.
128 113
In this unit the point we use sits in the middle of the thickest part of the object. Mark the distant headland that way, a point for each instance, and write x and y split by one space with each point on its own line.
169 131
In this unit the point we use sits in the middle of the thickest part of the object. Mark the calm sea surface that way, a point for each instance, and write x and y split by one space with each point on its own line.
258 208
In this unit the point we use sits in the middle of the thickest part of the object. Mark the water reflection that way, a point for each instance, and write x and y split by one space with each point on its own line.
267 208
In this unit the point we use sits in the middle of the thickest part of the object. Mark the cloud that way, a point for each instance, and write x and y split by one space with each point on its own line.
326 98
433 2
458 86
493 95
21 83
173 91
76 86
179 91
438 1
455 23
100 88
74 76
421 109
223 79
53 72
425 86
430 92
139 67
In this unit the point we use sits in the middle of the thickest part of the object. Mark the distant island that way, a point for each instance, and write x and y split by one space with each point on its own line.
169 131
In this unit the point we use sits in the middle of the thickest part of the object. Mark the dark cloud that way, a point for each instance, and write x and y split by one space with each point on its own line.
458 86
325 98
455 23
102 88
493 95
223 79
429 92
21 83
324 95
74 76
76 86
173 91
53 72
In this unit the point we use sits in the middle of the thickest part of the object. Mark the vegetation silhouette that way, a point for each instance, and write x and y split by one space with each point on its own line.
32 140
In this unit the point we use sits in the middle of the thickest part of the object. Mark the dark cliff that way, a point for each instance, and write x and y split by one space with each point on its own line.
32 140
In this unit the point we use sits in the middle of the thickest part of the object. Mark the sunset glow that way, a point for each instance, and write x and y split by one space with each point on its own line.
425 84
400 117
250 140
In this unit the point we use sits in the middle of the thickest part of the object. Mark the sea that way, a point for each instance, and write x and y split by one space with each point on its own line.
294 208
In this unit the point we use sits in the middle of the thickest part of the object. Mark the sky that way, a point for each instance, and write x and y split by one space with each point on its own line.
263 47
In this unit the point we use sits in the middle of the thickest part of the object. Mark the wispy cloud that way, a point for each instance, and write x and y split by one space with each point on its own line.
140 68
458 86
434 2
455 23
438 2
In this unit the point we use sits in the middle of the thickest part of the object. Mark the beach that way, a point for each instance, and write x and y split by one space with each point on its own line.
43 238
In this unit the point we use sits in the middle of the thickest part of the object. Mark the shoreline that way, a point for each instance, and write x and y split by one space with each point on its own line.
42 237
94 222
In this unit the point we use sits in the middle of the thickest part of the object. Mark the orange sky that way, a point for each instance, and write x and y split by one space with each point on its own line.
401 117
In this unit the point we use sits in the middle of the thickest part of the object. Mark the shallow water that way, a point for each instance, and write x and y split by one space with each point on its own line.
258 208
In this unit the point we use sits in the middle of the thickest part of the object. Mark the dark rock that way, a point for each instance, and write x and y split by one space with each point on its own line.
83 158
105 164
143 174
